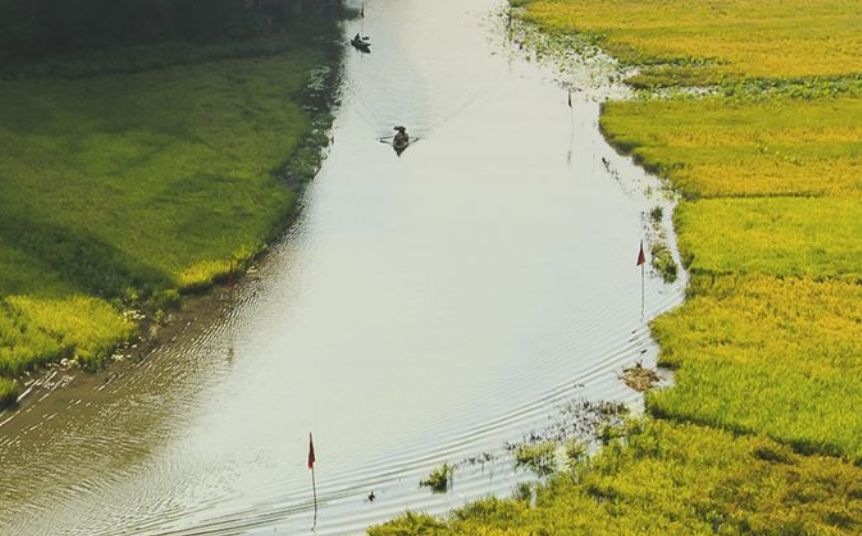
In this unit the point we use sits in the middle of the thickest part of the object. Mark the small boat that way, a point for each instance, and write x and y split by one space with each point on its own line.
401 140
360 43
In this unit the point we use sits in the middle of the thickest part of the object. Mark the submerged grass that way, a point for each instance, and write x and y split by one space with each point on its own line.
119 190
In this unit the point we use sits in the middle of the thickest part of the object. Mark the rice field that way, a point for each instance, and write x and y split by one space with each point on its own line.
117 190
783 236
706 41
781 356
721 147
770 339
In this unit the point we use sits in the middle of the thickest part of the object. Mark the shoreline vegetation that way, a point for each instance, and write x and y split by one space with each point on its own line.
752 112
133 177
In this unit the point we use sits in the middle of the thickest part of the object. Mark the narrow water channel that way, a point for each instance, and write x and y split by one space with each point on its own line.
425 308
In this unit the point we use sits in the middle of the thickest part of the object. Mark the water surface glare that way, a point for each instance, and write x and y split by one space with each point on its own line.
424 308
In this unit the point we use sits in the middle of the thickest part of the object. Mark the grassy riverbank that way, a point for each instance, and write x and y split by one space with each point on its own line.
122 191
759 434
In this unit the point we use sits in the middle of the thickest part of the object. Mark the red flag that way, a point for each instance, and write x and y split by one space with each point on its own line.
311 458
641 256
570 98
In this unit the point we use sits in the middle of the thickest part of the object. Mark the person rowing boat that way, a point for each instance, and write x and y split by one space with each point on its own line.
361 43
401 140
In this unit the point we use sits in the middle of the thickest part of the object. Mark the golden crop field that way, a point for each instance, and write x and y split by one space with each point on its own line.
785 236
700 41
766 354
721 147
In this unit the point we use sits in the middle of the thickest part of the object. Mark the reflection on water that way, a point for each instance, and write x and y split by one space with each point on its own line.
425 308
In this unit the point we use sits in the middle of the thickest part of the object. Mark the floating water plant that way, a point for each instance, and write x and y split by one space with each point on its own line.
440 478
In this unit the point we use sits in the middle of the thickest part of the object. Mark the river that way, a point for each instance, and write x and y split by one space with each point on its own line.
424 308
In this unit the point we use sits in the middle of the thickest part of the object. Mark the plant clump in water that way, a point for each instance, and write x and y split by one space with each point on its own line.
439 479
640 378
540 458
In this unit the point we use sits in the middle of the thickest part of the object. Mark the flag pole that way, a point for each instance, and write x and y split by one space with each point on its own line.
642 262
311 459
314 493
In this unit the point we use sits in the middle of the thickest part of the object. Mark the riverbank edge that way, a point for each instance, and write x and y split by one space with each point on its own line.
154 327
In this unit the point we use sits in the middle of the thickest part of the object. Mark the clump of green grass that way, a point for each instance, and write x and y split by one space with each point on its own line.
9 391
663 478
541 458
576 452
439 479
523 492
662 261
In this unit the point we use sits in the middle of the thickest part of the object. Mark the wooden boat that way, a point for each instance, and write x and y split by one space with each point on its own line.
362 44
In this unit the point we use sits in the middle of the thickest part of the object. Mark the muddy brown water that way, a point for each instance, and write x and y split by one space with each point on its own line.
424 309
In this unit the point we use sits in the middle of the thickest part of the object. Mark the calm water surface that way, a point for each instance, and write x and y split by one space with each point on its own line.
424 308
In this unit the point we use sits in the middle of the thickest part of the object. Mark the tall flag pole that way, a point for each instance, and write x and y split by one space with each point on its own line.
571 128
642 264
311 460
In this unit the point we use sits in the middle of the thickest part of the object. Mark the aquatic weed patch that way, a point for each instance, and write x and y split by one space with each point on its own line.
439 479
541 458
